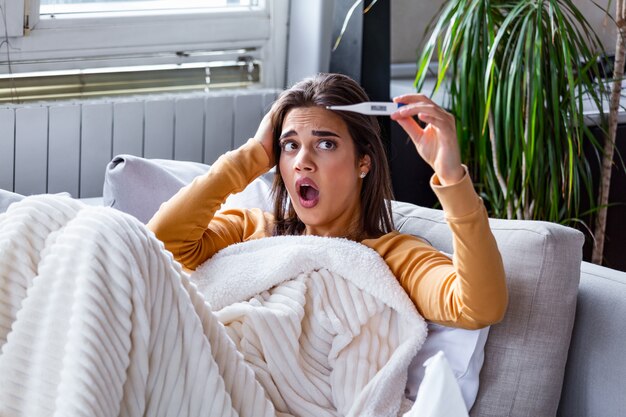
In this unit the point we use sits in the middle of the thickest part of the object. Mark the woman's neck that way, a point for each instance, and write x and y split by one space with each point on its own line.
348 230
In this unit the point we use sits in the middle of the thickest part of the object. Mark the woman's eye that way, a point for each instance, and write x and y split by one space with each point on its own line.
327 144
288 146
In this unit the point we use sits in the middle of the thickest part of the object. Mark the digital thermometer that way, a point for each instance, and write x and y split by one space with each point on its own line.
372 108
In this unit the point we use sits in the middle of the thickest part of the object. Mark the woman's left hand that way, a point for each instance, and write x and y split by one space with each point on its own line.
436 143
264 135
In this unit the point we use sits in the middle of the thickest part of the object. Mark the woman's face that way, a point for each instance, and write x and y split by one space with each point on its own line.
319 167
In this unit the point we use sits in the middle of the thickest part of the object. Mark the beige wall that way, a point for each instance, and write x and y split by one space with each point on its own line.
409 19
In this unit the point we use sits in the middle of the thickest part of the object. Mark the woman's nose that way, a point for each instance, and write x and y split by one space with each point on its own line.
304 161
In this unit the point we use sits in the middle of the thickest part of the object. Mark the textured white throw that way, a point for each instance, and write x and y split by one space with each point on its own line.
96 319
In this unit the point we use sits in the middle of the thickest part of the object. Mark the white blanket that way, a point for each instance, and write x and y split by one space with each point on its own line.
96 319
328 328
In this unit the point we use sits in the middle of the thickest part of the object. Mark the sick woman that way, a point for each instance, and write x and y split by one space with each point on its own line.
97 319
332 180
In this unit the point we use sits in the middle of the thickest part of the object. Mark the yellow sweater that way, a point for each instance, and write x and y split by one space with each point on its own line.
468 291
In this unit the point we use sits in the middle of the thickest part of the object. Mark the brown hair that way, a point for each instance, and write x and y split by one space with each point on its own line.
326 90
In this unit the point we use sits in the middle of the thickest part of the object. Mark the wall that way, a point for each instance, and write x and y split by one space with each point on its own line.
409 19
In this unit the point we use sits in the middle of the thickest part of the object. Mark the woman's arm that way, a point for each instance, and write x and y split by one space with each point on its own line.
469 291
188 224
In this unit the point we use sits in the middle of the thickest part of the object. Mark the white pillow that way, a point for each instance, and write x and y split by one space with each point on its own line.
138 186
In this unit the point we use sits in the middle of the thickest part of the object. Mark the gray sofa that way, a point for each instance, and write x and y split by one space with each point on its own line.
558 351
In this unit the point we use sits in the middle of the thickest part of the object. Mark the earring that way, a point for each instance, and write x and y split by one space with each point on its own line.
363 174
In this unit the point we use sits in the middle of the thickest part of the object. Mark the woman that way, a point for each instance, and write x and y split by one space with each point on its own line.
96 318
332 180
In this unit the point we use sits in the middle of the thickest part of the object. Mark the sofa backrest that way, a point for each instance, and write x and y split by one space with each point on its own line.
596 365
526 353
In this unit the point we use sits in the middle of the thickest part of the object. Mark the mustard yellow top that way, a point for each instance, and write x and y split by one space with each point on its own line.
468 291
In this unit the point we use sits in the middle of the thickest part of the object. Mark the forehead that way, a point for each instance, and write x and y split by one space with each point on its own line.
314 118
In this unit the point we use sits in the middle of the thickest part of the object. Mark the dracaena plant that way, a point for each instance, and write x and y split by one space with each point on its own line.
516 75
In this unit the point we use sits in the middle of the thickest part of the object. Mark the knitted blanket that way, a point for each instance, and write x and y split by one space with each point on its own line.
97 319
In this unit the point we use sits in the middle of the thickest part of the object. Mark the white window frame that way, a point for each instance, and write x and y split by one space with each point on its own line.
85 41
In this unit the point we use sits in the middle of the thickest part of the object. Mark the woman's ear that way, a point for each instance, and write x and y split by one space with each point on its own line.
365 164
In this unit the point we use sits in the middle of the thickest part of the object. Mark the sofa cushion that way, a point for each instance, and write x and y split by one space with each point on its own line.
138 186
594 377
525 354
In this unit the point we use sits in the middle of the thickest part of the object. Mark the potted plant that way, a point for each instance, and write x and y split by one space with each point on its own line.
517 75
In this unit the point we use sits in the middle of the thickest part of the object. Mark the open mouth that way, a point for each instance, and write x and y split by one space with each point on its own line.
308 193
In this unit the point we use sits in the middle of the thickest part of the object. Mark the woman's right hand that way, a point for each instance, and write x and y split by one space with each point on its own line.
265 135
437 142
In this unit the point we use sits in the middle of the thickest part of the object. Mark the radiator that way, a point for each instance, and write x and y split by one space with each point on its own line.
65 146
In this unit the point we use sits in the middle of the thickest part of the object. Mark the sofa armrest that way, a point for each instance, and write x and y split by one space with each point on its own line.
596 365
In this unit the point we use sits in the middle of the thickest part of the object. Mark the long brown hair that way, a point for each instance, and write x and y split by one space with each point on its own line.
326 90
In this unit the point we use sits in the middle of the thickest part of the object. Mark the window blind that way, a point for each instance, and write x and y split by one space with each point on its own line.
69 84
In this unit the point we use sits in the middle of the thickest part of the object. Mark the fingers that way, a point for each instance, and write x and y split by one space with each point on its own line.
411 127
437 142
426 111
264 135
412 98
421 106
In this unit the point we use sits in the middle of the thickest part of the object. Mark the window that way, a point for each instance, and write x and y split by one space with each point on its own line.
85 35
60 7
